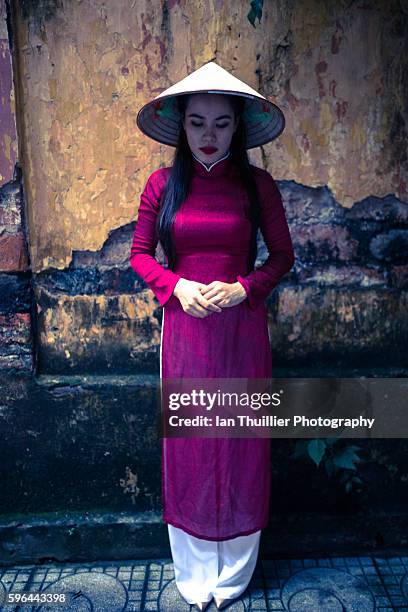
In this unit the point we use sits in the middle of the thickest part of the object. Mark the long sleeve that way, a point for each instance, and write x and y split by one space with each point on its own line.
259 283
142 255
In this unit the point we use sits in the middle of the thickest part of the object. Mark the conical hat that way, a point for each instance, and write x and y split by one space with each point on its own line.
160 119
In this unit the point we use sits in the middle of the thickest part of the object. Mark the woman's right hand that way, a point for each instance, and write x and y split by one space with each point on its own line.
191 300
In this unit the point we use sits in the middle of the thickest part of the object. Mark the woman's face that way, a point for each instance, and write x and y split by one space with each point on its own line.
209 124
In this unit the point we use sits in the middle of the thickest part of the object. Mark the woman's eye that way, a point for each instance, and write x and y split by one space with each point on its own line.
217 126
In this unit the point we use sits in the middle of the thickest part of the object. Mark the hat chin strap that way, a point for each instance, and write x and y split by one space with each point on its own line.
209 166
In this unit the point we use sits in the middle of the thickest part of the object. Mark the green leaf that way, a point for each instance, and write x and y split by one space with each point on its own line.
256 11
251 17
257 5
345 458
316 449
329 467
300 449
357 479
331 441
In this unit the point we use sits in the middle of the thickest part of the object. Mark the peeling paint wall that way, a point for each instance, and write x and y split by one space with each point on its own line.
337 69
8 133
16 346
82 69
344 301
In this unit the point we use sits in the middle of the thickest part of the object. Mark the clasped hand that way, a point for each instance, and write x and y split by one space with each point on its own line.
201 300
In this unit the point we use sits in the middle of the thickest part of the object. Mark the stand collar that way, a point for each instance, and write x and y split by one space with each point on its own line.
217 168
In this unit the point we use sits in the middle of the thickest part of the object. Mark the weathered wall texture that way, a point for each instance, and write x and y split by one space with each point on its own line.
82 69
343 305
8 134
15 290
338 69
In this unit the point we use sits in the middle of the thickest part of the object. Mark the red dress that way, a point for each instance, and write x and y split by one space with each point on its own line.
215 488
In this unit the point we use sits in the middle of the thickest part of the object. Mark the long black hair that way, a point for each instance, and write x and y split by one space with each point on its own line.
178 183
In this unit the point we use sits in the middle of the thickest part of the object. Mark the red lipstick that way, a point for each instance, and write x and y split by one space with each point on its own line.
208 150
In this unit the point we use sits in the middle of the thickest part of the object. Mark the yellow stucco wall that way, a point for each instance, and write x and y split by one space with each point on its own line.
85 68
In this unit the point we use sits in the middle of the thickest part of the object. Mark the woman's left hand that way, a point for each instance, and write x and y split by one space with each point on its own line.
224 294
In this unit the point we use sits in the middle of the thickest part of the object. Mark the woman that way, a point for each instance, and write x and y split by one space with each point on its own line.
206 210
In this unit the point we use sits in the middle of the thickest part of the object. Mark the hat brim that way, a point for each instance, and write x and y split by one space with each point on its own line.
160 119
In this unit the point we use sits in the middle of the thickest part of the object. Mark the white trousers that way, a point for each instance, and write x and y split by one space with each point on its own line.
205 568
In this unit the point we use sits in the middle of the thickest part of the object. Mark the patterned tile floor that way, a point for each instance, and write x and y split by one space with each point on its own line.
336 584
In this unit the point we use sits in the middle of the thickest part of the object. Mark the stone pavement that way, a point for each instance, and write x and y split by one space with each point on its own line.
349 584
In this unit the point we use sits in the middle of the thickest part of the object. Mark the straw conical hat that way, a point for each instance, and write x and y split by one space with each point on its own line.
160 119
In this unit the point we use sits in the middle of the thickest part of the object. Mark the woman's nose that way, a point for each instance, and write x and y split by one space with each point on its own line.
209 132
